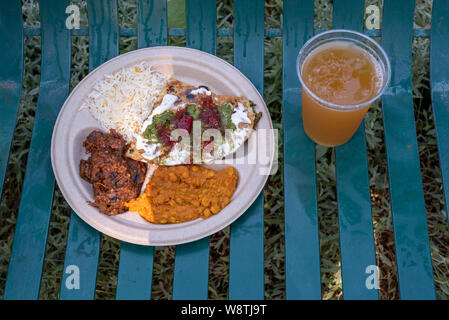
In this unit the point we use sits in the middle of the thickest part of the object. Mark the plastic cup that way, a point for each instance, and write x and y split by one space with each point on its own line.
328 123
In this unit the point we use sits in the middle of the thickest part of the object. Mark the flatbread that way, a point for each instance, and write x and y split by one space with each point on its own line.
189 94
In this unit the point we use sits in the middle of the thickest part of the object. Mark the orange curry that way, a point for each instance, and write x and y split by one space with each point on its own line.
185 192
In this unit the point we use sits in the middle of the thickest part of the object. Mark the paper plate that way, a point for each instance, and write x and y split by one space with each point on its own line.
191 66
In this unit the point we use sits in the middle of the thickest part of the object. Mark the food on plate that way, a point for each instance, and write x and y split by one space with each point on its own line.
115 178
223 124
170 126
123 100
185 192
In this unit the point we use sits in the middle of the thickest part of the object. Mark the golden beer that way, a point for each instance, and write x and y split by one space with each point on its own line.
340 80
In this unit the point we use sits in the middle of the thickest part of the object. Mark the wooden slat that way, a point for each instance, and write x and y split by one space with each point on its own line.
191 273
353 193
302 249
25 267
135 271
246 261
414 263
83 245
151 23
103 31
11 50
221 32
439 75
192 259
201 19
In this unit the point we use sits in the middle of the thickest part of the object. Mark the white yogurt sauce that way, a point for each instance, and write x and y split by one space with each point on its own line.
234 139
240 115
152 151
168 102
201 90
180 153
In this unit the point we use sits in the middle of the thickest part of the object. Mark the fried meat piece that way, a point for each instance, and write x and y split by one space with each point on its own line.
115 179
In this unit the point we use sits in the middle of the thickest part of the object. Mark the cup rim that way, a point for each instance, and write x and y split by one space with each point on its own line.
340 107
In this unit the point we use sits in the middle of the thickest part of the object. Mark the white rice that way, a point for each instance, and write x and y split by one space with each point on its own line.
123 100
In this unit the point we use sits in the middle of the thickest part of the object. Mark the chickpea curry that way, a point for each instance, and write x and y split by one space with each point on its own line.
185 192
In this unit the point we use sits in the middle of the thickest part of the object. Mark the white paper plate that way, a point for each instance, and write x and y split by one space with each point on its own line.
193 67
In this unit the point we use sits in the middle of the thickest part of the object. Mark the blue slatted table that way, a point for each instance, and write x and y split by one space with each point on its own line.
83 246
302 256
246 267
192 259
353 193
136 262
11 49
439 73
33 218
414 264
246 260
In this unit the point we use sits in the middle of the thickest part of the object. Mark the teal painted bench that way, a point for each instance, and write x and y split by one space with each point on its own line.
246 261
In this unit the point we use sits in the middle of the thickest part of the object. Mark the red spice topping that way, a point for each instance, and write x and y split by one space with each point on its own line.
185 123
164 136
209 114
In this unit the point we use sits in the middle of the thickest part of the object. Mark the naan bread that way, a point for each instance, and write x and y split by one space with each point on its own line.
188 94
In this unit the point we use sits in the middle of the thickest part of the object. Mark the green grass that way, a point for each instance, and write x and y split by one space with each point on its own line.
274 200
